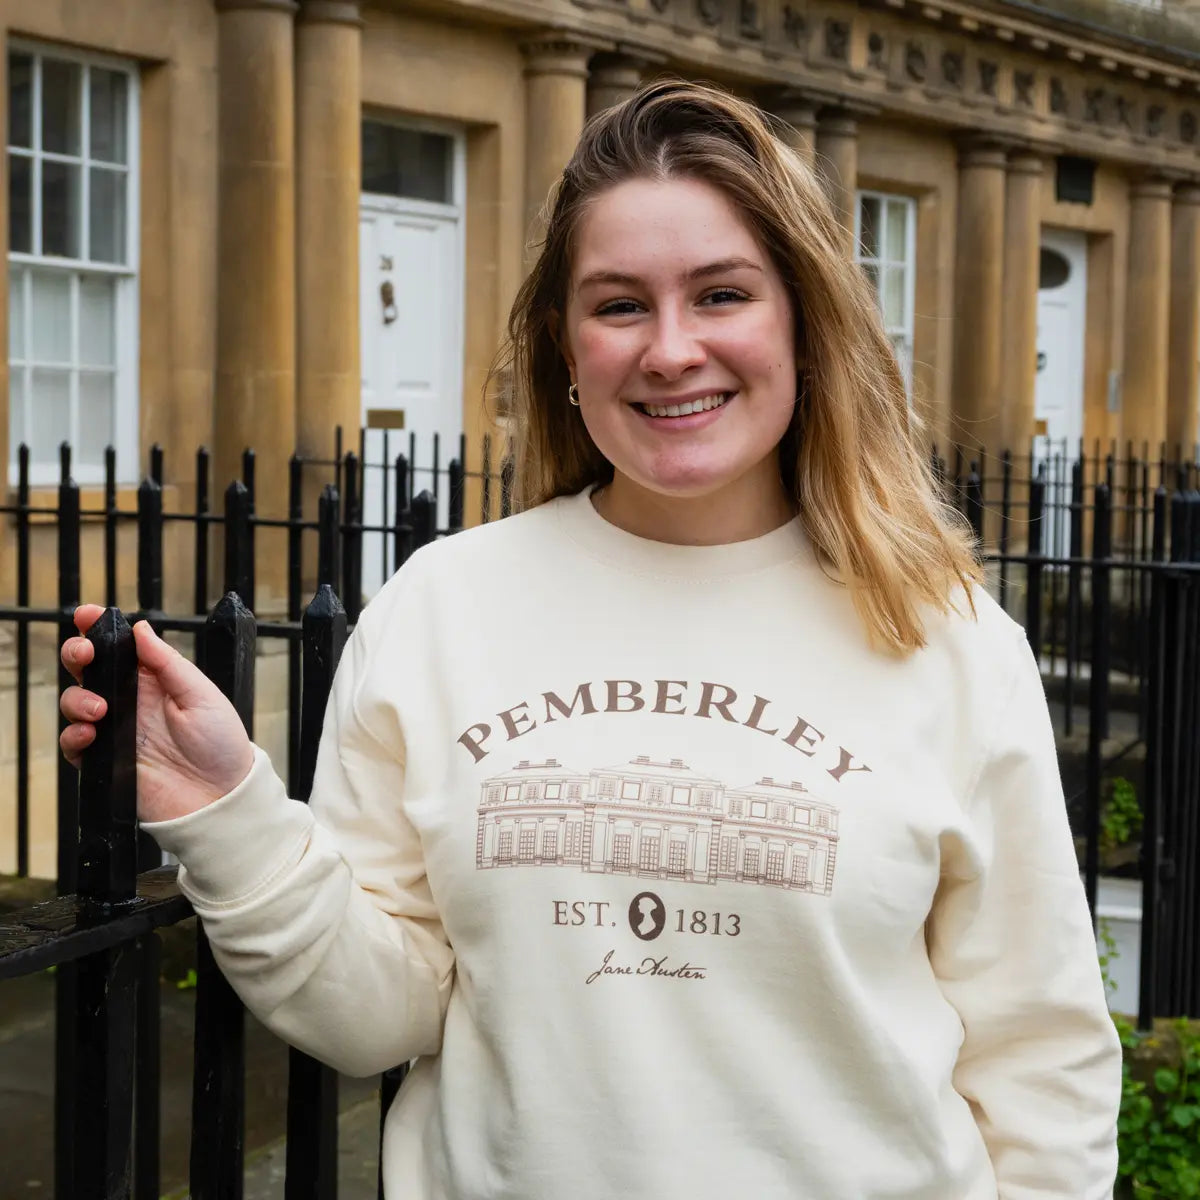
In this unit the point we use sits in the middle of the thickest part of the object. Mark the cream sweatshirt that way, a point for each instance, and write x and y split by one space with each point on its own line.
674 887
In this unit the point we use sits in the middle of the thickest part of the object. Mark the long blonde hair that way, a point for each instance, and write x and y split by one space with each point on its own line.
865 493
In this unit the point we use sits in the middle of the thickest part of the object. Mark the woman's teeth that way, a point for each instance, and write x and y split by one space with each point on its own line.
688 407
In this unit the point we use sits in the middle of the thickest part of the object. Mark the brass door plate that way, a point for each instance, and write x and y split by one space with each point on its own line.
385 418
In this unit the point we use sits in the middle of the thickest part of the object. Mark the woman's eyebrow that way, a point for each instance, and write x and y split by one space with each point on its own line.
720 267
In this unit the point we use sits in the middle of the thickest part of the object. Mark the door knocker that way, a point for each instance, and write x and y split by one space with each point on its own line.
388 295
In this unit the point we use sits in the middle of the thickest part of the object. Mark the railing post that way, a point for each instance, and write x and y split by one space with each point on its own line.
65 980
1074 596
352 539
23 562
295 583
485 472
328 540
1098 719
110 527
200 593
423 517
507 478
106 984
1034 565
239 549
455 472
312 1087
150 550
227 657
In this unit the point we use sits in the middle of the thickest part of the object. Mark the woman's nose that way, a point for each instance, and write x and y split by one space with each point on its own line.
674 347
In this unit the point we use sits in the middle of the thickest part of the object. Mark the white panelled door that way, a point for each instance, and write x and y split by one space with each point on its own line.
1061 317
410 272
411 313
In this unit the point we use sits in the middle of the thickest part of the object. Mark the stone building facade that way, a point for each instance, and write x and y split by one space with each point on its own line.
242 222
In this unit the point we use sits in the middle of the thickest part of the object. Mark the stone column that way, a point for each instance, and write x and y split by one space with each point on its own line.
1147 318
328 186
613 79
978 296
799 116
1022 251
837 161
556 74
256 312
1183 360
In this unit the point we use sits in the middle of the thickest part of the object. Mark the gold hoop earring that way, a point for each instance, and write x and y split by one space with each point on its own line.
573 395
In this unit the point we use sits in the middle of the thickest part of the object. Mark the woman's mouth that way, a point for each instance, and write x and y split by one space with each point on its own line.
687 408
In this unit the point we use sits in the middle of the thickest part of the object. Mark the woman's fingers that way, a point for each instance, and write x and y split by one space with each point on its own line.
86 615
74 740
79 705
77 653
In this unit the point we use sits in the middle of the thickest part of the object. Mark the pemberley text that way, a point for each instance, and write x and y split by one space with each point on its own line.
667 697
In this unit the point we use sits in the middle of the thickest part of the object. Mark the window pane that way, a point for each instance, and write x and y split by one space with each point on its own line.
896 246
407 162
17 433
868 238
20 100
16 315
95 416
107 217
20 204
893 297
50 317
97 321
108 114
60 106
50 414
60 209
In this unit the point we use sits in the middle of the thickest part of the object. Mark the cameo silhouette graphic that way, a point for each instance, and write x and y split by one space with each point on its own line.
658 820
647 916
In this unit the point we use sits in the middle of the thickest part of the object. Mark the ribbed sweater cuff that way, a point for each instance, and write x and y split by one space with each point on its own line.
236 843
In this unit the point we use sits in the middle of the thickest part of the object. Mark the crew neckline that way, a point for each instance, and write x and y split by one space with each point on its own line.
644 556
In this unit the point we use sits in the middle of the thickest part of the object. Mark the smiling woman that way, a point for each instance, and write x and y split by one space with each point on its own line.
726 686
690 257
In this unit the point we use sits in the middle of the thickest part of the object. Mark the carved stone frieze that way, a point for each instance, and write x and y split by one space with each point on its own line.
876 52
1187 127
1023 88
988 72
1156 120
837 40
1094 105
795 25
915 65
1059 104
750 20
711 12
952 68
1124 111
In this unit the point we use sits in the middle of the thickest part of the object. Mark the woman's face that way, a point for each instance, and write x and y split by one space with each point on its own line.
680 336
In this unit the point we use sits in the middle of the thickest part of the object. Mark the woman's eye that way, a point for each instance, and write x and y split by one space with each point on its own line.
724 296
617 308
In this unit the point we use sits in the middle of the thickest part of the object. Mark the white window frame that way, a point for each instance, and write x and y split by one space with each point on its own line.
125 316
908 264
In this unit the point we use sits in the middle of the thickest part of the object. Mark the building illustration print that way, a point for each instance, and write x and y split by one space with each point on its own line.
657 819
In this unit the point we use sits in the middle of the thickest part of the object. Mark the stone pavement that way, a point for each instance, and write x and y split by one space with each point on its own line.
27 1102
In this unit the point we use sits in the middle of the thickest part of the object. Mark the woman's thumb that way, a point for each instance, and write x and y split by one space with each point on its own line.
182 681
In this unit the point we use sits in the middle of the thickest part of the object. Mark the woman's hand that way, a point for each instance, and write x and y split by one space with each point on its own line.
191 747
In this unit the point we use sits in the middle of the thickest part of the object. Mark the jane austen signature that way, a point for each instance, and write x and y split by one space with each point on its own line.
658 967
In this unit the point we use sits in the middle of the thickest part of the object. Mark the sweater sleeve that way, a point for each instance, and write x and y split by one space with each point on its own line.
321 915
1011 942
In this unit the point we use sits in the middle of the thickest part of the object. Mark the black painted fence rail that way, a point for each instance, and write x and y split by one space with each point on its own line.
1072 544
